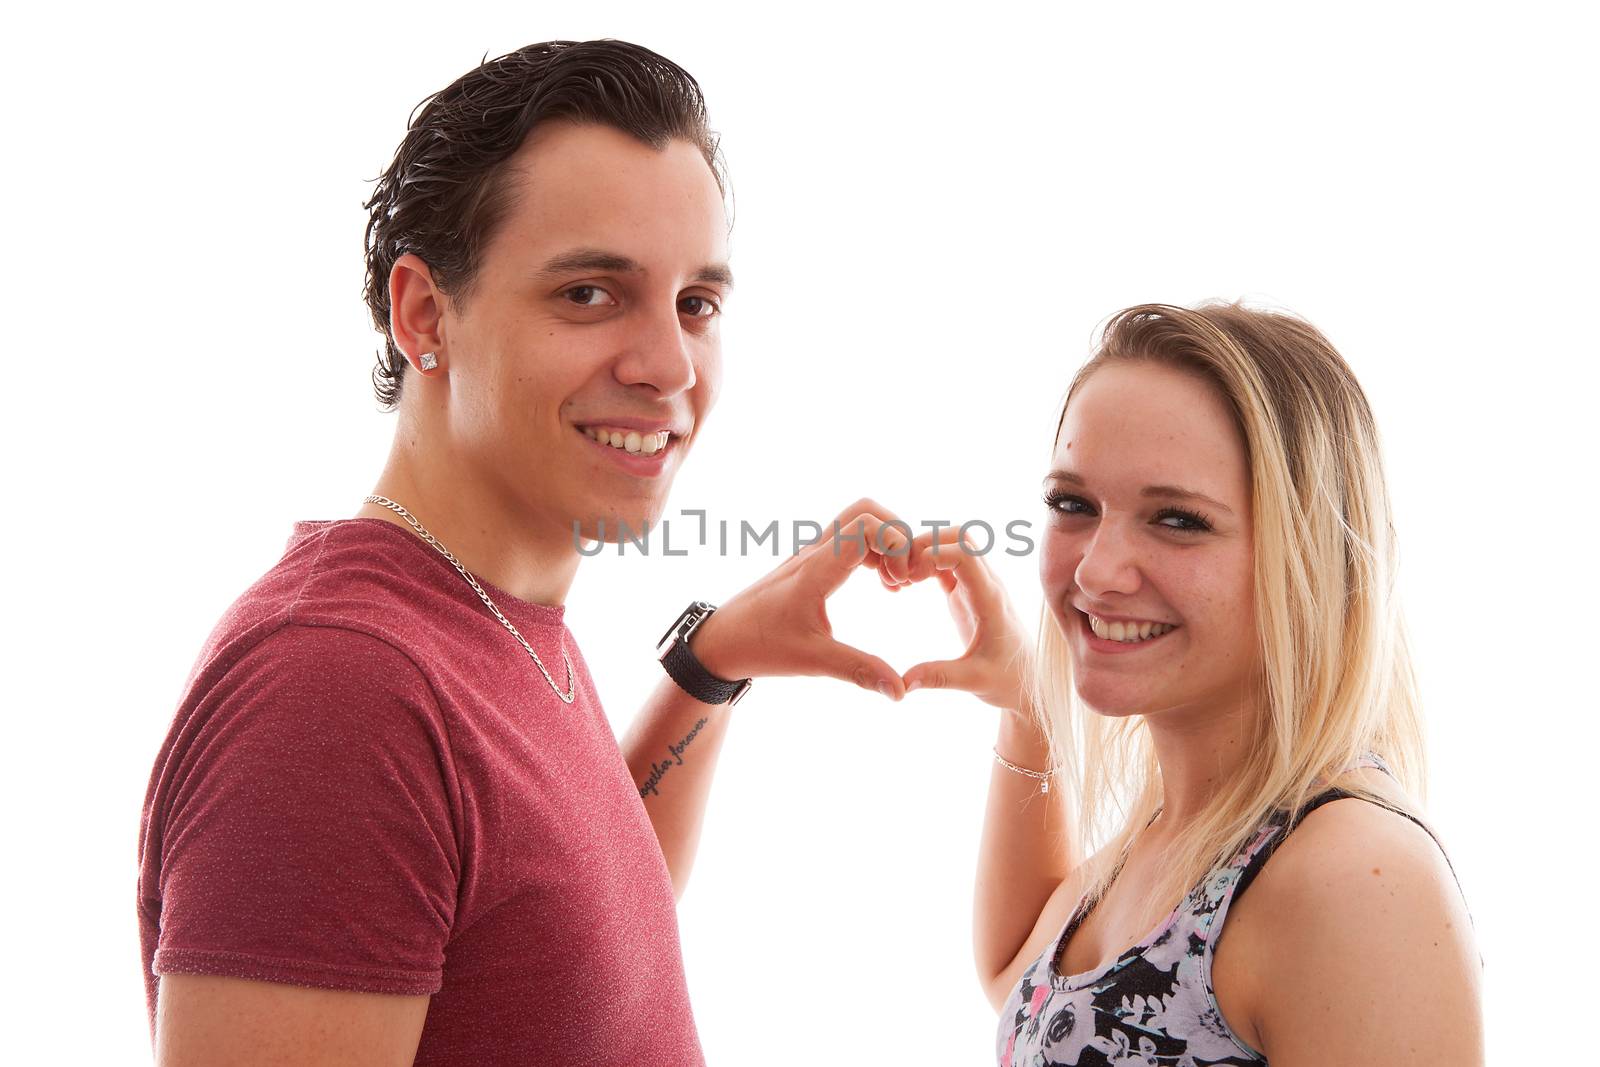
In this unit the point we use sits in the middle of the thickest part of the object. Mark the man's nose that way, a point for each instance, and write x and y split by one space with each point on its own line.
658 353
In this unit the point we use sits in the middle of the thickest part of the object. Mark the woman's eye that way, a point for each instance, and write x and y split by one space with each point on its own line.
1191 522
698 306
1064 504
589 296
1185 521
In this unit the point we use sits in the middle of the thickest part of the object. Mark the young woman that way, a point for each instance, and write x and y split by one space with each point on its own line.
1224 700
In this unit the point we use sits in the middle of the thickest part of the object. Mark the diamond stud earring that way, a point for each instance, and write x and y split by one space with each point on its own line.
429 361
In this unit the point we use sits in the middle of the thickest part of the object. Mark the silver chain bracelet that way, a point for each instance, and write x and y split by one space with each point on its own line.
1042 777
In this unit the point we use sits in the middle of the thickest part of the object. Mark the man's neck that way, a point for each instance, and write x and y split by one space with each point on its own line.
493 537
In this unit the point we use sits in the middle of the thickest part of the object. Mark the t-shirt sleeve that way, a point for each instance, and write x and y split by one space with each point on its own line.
309 831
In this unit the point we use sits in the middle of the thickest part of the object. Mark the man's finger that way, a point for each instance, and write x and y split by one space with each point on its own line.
862 538
847 663
865 506
935 551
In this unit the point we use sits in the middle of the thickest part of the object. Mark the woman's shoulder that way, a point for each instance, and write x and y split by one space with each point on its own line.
1357 914
1348 852
1355 859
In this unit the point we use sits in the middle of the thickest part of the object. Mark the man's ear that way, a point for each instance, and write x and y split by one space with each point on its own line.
416 309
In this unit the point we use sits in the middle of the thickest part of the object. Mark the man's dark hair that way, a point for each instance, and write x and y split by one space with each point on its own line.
445 194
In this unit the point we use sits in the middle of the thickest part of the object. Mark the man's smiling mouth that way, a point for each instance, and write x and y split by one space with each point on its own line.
632 441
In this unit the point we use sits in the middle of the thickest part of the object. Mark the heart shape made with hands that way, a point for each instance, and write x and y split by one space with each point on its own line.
780 625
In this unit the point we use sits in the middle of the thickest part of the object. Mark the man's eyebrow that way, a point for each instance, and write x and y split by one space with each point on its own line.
715 274
578 260
1160 491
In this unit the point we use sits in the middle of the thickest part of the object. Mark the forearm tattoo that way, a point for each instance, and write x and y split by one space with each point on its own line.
659 771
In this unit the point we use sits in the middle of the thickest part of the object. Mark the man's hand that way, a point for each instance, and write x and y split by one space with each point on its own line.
779 625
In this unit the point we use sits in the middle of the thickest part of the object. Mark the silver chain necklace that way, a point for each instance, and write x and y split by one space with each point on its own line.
447 554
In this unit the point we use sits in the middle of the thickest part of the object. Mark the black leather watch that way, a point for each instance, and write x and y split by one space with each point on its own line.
690 674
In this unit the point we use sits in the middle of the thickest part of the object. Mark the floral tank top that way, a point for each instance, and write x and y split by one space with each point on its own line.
1155 1005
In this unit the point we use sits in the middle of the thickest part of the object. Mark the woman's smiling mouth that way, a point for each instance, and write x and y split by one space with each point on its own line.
1121 636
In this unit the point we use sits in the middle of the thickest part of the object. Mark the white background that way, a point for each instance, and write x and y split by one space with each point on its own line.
933 213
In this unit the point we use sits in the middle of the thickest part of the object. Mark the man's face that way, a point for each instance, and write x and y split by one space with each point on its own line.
595 314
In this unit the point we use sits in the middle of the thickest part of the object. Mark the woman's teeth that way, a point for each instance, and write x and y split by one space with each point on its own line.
647 444
1127 632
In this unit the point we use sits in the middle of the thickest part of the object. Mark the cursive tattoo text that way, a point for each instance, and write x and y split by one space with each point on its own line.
659 771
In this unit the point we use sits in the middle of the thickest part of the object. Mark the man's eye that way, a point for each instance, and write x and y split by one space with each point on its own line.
589 296
698 306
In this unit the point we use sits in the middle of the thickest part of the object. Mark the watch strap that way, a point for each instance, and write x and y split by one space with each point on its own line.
693 678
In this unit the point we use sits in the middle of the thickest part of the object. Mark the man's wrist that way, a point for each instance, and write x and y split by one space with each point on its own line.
680 658
711 646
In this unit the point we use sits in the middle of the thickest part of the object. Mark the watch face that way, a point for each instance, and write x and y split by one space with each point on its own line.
694 617
685 623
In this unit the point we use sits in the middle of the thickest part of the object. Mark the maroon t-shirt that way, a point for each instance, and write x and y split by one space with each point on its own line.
370 786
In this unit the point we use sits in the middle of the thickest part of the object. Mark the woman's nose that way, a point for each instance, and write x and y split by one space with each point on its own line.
1109 564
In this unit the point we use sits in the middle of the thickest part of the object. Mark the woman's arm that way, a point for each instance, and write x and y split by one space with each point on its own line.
1359 947
1029 845
1024 859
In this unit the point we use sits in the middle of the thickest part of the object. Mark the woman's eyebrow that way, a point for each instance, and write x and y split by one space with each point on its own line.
1166 492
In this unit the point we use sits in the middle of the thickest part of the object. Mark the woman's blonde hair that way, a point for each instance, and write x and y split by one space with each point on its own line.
1336 679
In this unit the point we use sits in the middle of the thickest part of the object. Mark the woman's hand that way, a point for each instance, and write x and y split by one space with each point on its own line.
999 657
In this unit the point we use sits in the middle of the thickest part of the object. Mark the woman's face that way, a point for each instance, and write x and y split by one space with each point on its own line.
1149 522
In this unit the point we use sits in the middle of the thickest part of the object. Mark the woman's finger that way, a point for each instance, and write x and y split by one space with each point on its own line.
953 555
962 674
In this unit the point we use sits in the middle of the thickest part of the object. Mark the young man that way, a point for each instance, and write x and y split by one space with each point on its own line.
390 823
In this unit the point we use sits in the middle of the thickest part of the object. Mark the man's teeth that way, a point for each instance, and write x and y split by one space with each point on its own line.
646 444
1128 632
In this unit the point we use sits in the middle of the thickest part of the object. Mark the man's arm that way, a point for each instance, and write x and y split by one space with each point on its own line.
203 1020
778 626
312 837
671 750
